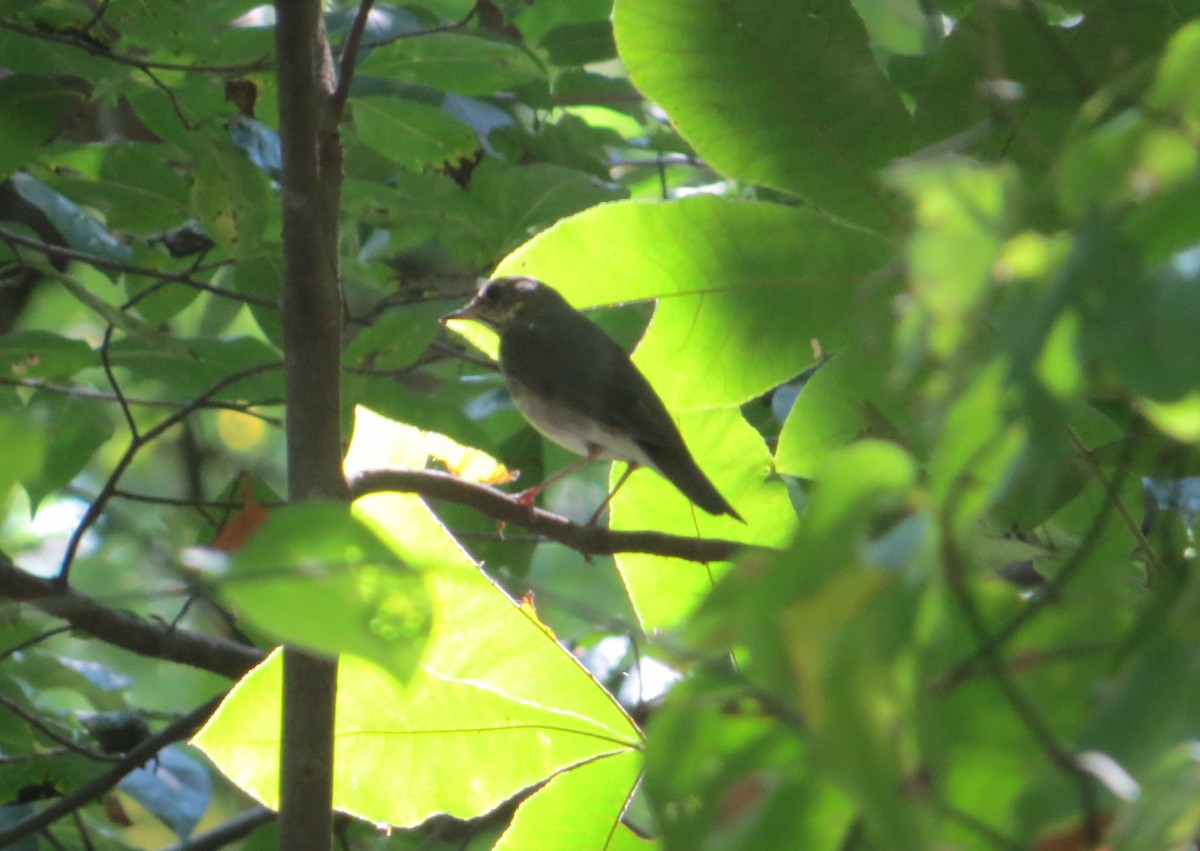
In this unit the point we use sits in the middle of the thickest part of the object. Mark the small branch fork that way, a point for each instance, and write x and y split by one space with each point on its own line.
138 441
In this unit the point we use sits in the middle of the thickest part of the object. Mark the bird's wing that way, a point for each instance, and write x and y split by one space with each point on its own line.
546 357
572 361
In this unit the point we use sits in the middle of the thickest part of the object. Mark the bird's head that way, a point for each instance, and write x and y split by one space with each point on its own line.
502 301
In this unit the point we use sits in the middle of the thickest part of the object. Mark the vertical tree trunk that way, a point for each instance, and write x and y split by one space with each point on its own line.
312 315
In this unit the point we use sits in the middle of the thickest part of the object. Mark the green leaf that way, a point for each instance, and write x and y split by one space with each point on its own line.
31 110
743 288
24 453
396 339
523 200
416 208
196 366
411 134
455 62
538 19
74 429
81 230
898 26
406 405
493 690
1173 92
977 445
664 590
579 808
314 576
1035 89
960 209
743 774
1165 812
41 354
135 189
168 23
23 54
15 7
580 43
260 274
762 92
834 407
229 195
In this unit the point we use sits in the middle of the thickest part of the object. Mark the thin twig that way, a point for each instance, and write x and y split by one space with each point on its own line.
955 571
97 786
1053 589
43 728
81 827
96 508
1154 568
52 839
106 363
185 278
235 828
445 28
176 106
1084 86
246 408
33 640
182 502
349 60
95 49
97 16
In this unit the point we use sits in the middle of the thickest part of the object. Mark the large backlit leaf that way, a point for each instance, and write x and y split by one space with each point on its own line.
579 808
782 94
493 695
664 590
743 288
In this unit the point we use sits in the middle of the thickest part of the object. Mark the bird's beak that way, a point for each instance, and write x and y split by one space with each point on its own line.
467 311
470 310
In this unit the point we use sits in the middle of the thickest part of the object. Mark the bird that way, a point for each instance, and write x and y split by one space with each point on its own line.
578 387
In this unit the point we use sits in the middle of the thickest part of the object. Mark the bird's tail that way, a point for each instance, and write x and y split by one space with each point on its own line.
681 470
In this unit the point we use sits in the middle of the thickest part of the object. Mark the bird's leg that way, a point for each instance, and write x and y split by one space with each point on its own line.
527 496
633 465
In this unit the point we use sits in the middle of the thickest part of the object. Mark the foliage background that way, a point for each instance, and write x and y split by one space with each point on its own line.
969 619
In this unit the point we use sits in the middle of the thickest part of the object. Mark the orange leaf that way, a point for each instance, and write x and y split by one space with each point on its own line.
234 534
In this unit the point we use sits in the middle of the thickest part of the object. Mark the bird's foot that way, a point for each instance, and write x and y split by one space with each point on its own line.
528 498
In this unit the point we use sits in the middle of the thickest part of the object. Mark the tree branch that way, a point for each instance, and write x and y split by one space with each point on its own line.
126 630
144 65
96 508
589 540
52 734
954 569
337 102
97 786
78 392
185 278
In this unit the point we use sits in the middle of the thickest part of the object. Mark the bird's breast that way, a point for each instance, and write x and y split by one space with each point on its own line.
571 428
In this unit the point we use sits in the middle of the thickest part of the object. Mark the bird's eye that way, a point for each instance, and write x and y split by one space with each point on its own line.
491 293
